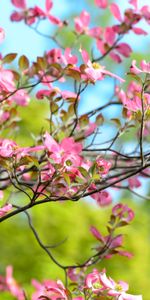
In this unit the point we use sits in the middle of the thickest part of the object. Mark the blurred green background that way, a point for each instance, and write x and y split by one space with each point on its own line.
70 221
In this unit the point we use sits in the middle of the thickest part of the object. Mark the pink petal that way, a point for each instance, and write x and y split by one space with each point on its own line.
85 18
124 49
115 10
48 5
139 31
113 75
101 3
134 3
54 20
109 36
19 3
85 56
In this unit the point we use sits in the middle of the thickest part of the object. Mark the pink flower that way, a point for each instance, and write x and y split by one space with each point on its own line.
13 286
5 209
21 98
82 22
132 98
103 166
48 6
102 198
49 289
66 151
101 3
95 71
7 148
134 182
69 58
2 35
123 212
116 289
92 282
145 67
6 80
100 284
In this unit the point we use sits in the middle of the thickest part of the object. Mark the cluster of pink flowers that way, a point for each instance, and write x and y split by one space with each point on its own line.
31 15
107 37
95 284
131 99
100 284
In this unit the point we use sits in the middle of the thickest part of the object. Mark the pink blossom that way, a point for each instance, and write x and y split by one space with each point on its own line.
101 3
115 10
92 282
82 22
132 98
13 286
123 212
102 198
48 6
67 150
49 289
5 209
103 165
54 56
2 35
6 80
145 67
21 98
69 58
7 148
134 182
95 71
116 289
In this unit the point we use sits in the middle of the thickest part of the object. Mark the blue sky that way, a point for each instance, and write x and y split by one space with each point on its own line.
21 39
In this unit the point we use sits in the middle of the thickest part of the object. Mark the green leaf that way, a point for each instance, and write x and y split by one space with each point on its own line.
23 63
83 172
7 59
99 119
67 178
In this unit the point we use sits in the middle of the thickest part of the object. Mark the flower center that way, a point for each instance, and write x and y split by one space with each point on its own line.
96 66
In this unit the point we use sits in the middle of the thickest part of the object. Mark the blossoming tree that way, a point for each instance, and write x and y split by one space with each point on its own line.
70 160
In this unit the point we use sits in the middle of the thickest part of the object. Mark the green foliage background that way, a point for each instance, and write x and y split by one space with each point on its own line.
71 221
